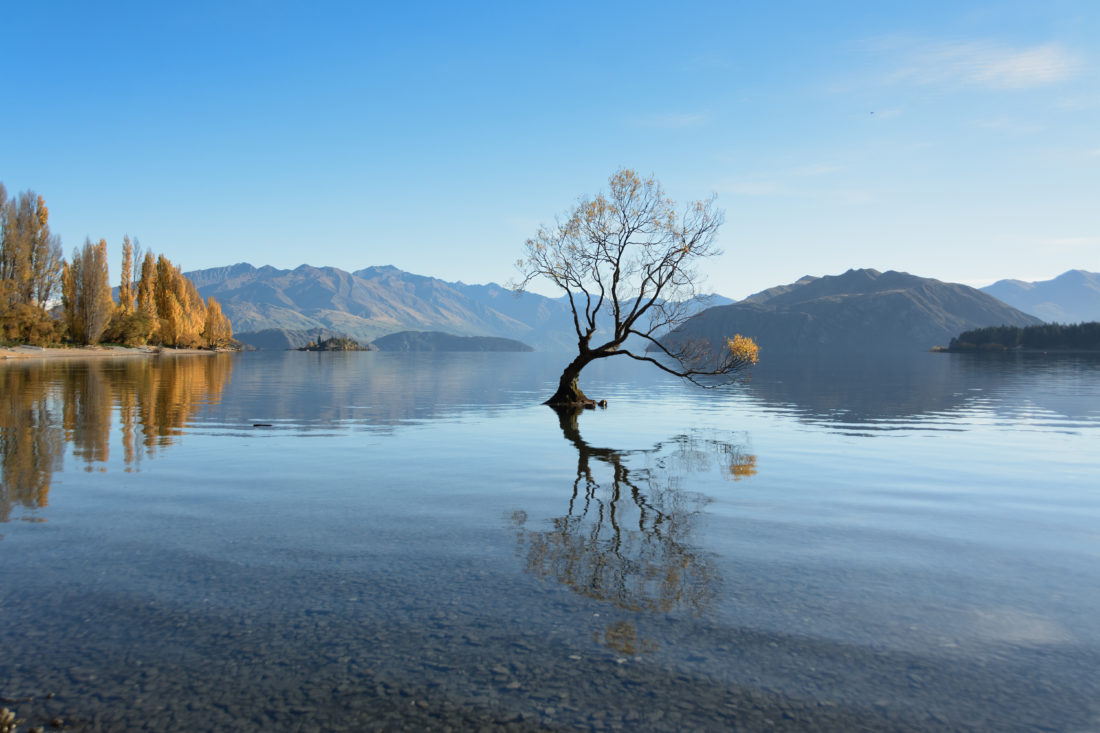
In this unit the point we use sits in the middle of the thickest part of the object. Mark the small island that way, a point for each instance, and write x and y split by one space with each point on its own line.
1056 337
336 343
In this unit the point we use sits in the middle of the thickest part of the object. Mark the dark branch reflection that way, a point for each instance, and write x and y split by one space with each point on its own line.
45 406
627 536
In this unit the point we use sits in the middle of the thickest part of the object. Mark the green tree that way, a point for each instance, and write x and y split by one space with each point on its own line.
627 263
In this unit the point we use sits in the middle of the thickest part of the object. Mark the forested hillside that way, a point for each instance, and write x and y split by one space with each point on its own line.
1047 337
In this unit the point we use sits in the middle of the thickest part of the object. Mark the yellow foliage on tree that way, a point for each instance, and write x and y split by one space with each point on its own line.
183 318
147 286
217 331
86 293
126 278
30 268
159 305
171 319
743 349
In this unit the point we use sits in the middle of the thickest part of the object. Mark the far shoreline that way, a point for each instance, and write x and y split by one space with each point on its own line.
1014 350
23 353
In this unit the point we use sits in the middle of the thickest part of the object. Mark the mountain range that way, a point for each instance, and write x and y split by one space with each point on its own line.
377 301
272 308
857 311
1072 297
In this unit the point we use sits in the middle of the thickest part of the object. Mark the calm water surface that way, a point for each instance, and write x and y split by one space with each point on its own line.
410 541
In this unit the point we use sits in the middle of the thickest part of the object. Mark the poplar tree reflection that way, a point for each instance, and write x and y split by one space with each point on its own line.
45 406
31 441
627 535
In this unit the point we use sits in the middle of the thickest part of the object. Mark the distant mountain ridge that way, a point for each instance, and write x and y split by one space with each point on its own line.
857 311
269 306
377 301
1072 297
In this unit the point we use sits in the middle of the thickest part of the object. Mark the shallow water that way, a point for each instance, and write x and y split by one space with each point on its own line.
409 541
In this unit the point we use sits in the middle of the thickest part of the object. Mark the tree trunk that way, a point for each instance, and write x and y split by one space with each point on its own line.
569 394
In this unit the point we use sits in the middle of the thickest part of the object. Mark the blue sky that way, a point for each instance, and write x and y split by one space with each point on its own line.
957 140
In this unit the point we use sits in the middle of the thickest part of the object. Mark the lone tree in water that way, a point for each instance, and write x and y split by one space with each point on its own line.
627 262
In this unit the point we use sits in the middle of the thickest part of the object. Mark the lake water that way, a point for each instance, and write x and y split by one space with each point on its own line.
410 541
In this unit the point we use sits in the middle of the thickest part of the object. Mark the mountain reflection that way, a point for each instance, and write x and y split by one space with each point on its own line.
627 536
46 406
380 390
891 391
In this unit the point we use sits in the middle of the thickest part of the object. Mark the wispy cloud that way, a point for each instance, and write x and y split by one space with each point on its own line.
673 121
1069 244
752 188
520 223
1079 103
984 63
1010 126
809 182
779 182
853 196
810 171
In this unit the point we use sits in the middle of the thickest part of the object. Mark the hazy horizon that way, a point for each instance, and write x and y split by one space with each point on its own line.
551 293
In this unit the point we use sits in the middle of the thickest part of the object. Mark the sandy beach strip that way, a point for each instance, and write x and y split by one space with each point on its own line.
92 352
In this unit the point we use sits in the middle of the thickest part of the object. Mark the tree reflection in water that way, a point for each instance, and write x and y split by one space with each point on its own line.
31 440
46 405
629 540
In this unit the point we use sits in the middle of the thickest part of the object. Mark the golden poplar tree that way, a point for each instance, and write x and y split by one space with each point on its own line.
30 268
45 263
167 306
217 331
181 312
194 312
146 300
126 277
68 299
146 291
130 325
86 299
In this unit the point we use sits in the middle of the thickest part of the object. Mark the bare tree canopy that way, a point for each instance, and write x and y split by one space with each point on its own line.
628 263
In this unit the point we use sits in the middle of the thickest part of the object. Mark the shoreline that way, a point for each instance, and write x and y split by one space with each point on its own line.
22 353
1014 350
